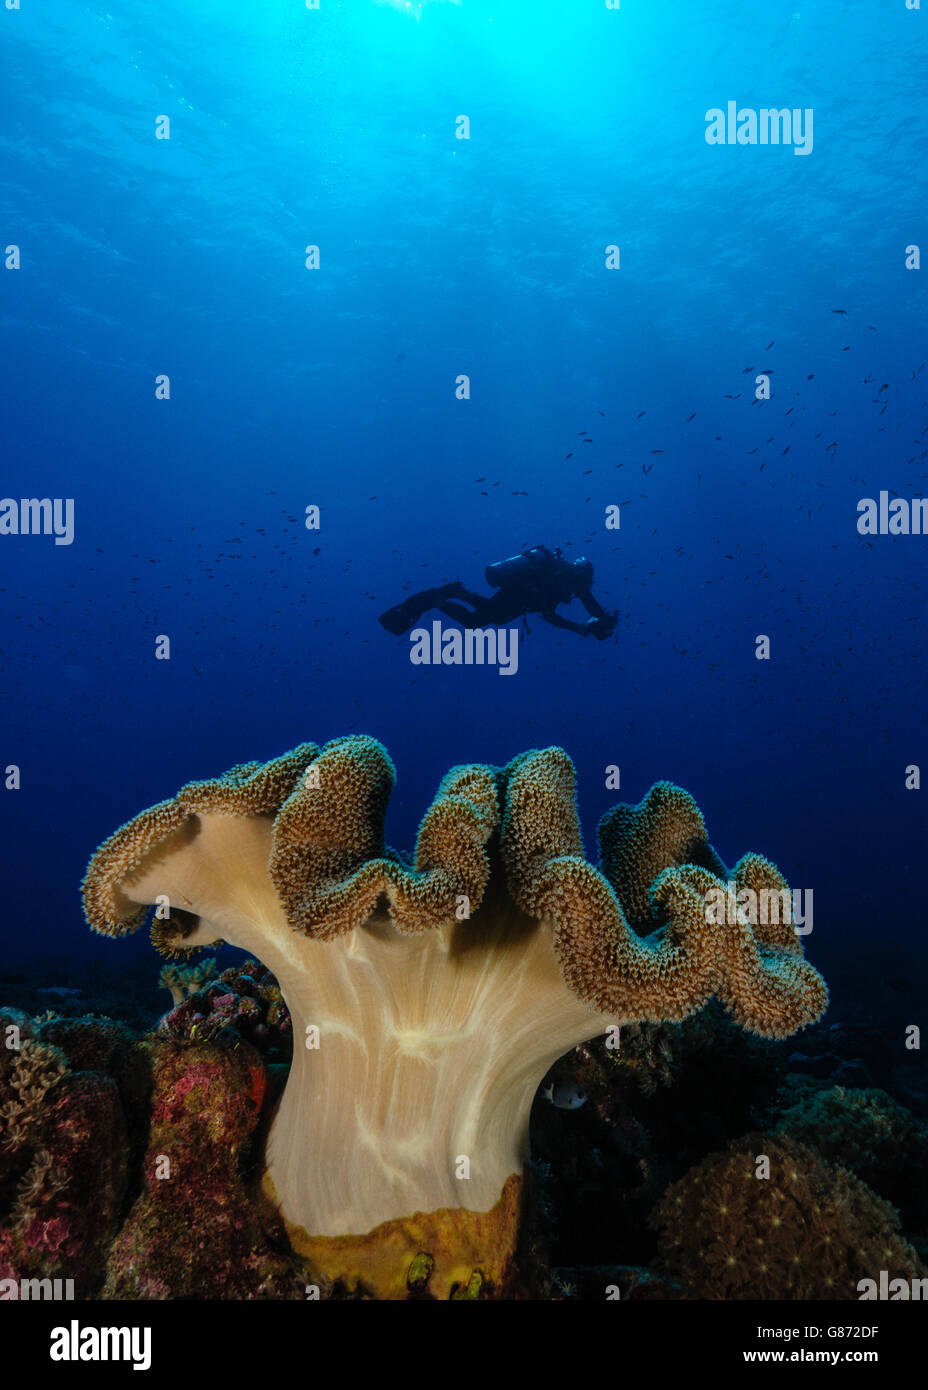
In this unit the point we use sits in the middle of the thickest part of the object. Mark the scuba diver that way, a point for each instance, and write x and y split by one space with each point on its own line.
536 581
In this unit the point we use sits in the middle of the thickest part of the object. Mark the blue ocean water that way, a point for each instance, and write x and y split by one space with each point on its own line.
590 387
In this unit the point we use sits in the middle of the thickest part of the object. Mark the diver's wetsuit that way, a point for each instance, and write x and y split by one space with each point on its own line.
534 582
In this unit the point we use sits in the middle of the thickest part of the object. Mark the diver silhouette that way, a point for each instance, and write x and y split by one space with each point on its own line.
536 581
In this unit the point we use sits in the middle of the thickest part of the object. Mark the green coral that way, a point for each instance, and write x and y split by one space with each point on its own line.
419 1272
472 1290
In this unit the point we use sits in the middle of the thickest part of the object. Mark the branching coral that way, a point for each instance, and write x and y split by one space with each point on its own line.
183 980
31 1073
433 996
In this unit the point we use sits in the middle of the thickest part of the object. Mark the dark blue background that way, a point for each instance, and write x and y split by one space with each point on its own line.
336 387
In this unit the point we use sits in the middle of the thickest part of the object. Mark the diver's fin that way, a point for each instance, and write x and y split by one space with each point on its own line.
400 619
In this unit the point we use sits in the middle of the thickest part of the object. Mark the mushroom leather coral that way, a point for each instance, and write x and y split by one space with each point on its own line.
442 990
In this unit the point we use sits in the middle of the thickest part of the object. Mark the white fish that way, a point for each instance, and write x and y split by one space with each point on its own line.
566 1095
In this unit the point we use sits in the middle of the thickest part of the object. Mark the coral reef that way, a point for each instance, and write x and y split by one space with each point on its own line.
809 1230
659 1097
30 1072
845 1054
869 1133
629 1283
183 980
244 999
70 1165
104 1045
646 1053
722 1079
102 989
88 1042
195 1232
432 997
62 1166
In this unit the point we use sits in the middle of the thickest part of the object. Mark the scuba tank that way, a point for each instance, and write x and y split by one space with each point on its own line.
516 566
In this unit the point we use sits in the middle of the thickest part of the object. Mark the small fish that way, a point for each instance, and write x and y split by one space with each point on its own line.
565 1095
839 311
